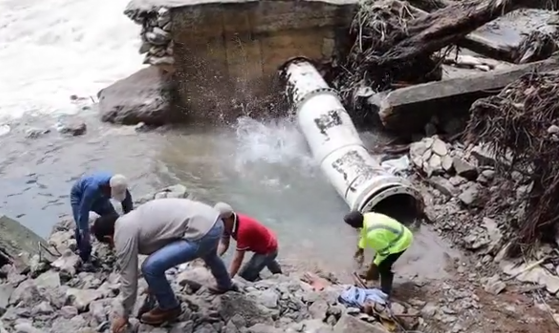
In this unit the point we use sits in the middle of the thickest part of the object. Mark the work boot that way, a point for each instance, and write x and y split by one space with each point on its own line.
386 281
159 316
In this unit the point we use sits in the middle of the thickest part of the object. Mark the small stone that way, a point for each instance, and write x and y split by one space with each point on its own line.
494 285
158 61
439 147
352 324
81 298
488 174
435 162
446 162
429 310
268 298
183 327
553 129
43 308
68 312
464 169
158 36
471 196
318 309
73 128
26 328
443 185
398 309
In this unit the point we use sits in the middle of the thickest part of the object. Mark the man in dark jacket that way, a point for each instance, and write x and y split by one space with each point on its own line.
92 193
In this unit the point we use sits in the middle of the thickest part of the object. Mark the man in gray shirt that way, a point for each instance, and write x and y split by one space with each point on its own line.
171 232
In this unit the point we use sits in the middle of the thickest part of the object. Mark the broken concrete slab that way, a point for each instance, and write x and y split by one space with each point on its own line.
409 109
499 38
18 244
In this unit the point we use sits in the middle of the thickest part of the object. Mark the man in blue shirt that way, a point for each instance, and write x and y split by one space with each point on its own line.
92 193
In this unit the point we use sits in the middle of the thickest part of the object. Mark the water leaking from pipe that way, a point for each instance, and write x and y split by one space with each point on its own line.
336 146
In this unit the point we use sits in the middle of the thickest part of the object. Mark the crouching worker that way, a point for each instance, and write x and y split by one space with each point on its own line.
92 193
172 232
250 235
388 237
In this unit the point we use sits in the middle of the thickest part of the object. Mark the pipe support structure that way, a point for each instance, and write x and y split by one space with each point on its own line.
335 143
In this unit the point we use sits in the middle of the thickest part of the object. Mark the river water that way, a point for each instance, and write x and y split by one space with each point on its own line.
261 168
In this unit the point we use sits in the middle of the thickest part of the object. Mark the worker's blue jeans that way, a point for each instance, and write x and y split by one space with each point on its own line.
180 252
251 270
102 207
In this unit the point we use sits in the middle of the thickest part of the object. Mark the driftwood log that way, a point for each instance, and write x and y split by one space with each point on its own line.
534 47
431 33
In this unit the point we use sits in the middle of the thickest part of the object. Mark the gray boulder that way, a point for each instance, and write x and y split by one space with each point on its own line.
145 96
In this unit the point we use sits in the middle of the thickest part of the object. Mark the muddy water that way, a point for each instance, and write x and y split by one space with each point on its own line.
262 169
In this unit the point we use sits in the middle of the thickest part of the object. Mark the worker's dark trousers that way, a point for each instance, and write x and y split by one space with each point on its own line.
386 274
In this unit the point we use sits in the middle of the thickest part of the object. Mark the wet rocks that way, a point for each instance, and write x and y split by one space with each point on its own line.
431 156
174 191
156 35
495 285
72 127
144 97
62 297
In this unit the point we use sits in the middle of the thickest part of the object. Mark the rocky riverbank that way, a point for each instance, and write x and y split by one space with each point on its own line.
60 297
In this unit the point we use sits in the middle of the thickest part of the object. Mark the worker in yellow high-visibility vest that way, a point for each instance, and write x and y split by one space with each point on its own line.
387 237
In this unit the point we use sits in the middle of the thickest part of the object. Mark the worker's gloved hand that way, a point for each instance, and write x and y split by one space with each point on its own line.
84 247
371 274
359 257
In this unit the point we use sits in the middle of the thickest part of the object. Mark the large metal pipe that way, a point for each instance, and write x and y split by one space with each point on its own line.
335 144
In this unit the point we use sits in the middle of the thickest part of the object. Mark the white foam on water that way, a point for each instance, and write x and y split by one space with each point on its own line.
52 49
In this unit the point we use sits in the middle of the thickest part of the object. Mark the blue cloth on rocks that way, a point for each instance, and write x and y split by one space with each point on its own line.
358 297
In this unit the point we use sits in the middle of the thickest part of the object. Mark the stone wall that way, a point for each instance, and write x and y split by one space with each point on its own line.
156 36
224 55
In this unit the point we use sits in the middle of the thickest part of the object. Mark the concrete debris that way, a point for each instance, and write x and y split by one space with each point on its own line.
459 204
409 109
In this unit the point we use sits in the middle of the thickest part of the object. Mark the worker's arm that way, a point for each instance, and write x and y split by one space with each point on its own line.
237 262
381 247
243 241
223 245
361 244
127 260
127 204
86 202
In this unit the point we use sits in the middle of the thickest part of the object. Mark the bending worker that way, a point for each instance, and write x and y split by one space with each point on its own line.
92 193
388 237
171 232
252 236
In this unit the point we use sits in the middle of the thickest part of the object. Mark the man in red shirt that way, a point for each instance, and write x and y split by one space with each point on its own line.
250 235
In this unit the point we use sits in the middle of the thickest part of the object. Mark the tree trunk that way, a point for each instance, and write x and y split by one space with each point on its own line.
431 33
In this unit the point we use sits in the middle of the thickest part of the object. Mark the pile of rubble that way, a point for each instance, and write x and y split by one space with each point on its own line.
59 296
461 187
156 35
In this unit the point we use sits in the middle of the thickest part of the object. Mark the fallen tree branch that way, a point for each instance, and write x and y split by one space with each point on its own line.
431 33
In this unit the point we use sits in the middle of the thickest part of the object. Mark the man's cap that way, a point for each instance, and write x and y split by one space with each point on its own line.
225 210
119 185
